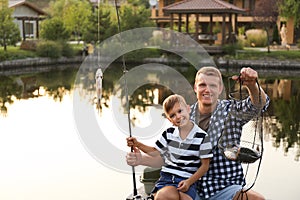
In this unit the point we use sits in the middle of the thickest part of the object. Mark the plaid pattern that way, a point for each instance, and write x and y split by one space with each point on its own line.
223 172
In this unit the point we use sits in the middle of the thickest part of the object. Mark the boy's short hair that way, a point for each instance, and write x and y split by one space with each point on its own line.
171 100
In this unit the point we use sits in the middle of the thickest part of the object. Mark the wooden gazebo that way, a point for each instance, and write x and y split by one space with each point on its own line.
27 13
205 8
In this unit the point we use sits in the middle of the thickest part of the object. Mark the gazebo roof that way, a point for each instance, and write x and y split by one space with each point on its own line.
203 7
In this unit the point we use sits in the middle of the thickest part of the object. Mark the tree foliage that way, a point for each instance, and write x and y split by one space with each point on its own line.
54 29
9 31
76 17
135 17
101 25
290 9
266 15
74 14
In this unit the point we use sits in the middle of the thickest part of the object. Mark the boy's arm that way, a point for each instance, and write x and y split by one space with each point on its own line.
185 184
132 142
201 171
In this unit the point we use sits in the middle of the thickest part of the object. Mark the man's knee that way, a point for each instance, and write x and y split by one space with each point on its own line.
249 195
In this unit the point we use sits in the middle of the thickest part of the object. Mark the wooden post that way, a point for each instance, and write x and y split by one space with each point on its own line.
223 29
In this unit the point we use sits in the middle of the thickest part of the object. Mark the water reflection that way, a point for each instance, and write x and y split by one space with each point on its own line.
282 120
55 83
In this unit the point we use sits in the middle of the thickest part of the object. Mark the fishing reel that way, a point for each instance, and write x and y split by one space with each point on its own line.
139 197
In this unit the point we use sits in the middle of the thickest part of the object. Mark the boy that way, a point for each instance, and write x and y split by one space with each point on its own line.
184 147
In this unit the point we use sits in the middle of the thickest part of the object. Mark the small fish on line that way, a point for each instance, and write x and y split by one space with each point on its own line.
242 154
99 78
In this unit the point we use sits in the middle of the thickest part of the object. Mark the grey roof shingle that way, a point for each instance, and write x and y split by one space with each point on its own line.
202 6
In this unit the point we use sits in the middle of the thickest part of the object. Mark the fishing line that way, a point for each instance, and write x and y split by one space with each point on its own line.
126 95
239 150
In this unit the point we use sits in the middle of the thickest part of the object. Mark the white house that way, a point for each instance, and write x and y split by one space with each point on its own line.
27 16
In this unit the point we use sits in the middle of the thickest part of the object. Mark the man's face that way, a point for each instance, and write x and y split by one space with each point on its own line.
208 89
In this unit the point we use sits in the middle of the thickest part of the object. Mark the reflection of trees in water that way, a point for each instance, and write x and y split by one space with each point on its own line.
287 130
8 89
56 84
283 122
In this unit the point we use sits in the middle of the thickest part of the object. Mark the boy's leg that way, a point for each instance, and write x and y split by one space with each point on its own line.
167 193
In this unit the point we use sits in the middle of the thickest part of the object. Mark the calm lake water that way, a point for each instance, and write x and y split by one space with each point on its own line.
56 143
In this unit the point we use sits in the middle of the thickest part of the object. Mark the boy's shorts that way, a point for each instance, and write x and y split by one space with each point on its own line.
226 194
167 179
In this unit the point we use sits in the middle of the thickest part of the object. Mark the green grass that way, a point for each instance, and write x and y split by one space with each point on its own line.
13 53
262 55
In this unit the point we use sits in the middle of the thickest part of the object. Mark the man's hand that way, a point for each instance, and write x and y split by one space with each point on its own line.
134 158
248 76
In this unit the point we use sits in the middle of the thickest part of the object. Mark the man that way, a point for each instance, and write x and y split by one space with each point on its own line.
224 179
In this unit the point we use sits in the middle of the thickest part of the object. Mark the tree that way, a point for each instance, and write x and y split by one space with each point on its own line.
266 15
135 17
75 14
290 9
9 31
54 29
100 25
76 17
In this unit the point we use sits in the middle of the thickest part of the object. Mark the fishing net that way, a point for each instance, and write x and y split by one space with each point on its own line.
242 138
244 144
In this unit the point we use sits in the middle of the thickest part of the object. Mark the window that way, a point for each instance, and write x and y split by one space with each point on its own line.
29 30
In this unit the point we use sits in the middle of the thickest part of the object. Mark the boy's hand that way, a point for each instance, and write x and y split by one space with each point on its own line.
184 185
132 142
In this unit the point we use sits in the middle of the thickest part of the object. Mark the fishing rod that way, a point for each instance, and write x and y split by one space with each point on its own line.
135 194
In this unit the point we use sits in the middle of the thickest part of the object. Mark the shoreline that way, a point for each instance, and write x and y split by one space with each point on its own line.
274 66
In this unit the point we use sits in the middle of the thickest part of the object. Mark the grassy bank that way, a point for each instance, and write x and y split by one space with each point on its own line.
14 53
252 54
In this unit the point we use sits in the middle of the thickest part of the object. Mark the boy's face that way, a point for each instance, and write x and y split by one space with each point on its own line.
179 115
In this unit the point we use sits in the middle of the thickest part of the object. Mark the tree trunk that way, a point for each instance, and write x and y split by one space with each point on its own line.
268 40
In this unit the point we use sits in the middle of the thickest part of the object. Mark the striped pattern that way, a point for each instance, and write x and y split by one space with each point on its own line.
182 157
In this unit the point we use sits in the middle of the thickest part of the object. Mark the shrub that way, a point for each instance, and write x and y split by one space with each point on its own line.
231 48
67 50
49 49
256 38
276 38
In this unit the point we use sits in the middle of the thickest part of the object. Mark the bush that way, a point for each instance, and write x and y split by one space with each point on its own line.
298 43
231 48
49 49
67 50
276 38
256 38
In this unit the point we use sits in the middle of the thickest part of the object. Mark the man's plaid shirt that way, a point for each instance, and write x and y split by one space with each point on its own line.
223 172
